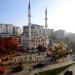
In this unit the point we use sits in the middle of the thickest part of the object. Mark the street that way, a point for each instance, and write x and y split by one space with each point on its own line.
49 66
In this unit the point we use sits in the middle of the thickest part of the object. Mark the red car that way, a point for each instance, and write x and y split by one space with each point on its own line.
2 70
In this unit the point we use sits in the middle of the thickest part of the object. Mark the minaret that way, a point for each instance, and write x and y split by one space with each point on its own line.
29 20
46 21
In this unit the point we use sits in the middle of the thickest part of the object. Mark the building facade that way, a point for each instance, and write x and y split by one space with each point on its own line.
60 34
50 32
35 30
34 42
8 29
37 37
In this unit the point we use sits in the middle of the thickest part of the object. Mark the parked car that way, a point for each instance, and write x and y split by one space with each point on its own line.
2 70
39 65
17 69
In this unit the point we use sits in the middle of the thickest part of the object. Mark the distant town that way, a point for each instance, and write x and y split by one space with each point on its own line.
34 46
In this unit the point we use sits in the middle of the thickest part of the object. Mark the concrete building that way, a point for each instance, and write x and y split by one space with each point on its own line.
49 32
60 34
6 28
34 42
35 30
9 29
37 37
71 36
17 30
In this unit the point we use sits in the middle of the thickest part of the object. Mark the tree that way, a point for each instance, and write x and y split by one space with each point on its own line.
8 44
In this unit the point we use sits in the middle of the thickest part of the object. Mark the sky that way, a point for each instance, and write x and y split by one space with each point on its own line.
61 13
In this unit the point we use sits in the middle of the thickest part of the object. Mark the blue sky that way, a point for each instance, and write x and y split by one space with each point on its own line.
61 13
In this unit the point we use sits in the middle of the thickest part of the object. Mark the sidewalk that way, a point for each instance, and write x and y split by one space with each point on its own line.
71 68
49 67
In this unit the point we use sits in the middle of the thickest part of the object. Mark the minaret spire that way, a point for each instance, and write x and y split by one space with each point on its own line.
29 19
46 21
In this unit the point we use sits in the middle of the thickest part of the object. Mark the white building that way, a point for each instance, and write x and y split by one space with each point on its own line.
17 30
60 34
34 42
8 29
37 37
71 36
49 32
35 30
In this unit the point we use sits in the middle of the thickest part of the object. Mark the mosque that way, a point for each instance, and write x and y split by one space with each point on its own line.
34 34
